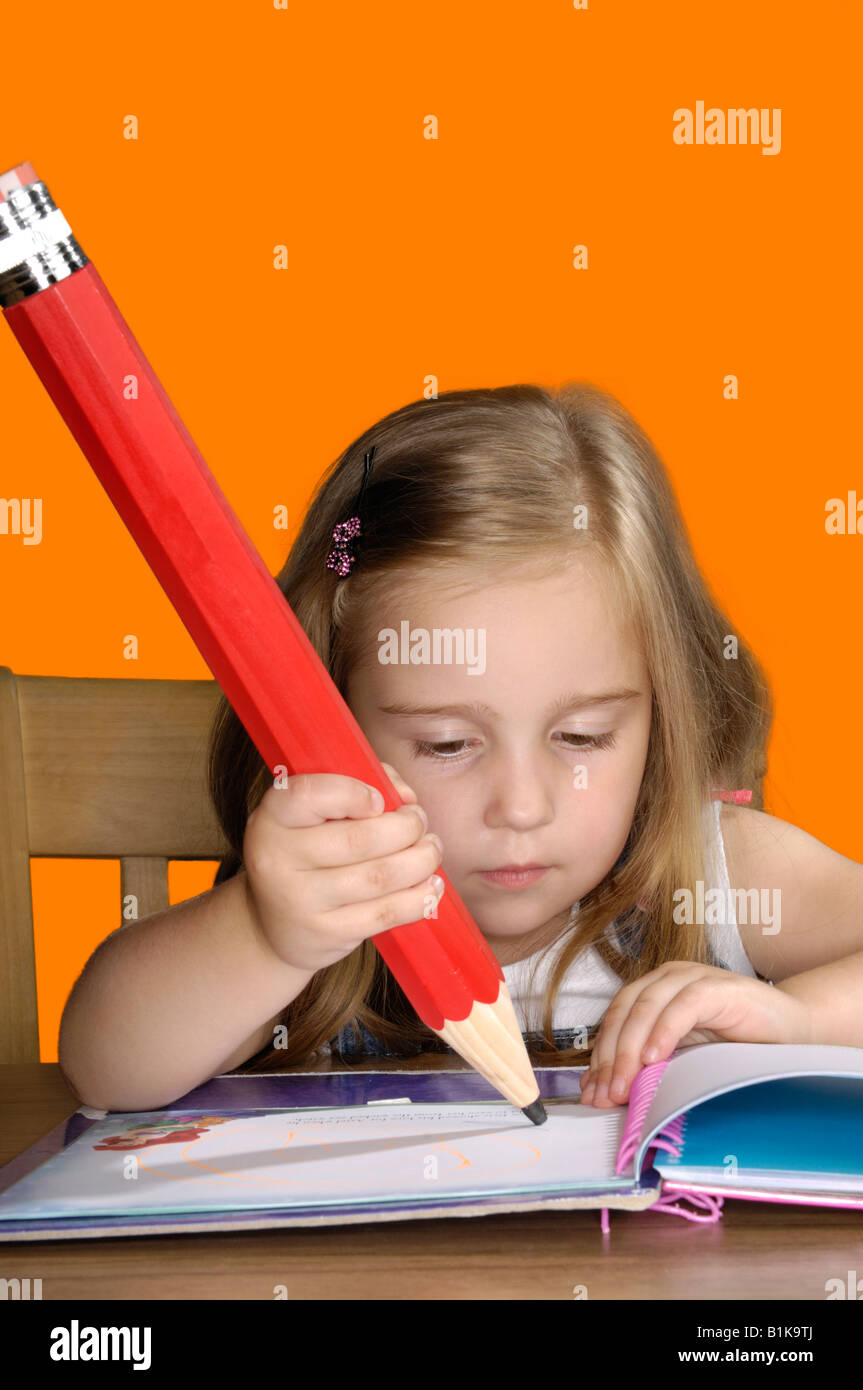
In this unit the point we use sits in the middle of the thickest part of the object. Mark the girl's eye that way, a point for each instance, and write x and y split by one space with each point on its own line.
592 740
432 750
422 748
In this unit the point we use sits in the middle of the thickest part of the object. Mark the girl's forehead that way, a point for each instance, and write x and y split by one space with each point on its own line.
555 617
441 584
586 594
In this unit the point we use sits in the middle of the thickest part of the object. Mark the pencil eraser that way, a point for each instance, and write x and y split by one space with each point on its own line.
17 177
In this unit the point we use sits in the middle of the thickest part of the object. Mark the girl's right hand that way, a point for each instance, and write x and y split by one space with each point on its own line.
326 869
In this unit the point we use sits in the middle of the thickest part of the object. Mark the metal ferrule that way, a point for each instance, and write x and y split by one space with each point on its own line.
37 247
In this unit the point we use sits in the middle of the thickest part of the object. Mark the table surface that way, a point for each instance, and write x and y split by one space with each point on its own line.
757 1250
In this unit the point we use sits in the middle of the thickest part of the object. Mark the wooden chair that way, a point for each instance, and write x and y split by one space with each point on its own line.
102 769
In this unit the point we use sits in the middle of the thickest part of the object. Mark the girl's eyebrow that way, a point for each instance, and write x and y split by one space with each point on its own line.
566 703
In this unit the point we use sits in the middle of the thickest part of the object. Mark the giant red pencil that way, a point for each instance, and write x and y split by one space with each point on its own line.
86 356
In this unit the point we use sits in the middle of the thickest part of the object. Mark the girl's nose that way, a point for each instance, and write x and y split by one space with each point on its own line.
519 795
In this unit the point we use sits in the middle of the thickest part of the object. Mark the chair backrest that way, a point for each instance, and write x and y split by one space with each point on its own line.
95 768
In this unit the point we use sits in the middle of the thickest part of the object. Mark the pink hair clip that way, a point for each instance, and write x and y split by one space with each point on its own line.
343 557
736 796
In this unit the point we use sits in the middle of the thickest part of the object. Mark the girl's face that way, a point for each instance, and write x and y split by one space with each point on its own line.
511 751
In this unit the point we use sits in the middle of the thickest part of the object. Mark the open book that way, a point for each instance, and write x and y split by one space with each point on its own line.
769 1122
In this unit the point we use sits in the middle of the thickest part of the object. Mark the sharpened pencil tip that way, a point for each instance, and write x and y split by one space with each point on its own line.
535 1112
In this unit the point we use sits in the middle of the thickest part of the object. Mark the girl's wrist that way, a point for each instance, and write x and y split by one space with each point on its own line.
295 978
805 1026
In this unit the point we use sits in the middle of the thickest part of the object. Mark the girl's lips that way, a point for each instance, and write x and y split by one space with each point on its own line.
514 877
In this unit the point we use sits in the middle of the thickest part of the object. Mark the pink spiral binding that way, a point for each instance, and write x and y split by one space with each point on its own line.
642 1093
670 1138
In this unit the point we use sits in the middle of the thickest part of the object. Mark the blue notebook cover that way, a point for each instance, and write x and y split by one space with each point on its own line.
800 1126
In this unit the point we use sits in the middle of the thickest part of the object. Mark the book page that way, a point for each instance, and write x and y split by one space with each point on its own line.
191 1161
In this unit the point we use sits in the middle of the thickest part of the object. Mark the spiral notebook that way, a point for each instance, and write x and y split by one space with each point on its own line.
768 1122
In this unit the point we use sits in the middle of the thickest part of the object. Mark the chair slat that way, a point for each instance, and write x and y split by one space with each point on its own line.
147 881
116 768
19 1029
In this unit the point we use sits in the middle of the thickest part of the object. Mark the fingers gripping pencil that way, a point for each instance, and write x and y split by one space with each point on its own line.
85 354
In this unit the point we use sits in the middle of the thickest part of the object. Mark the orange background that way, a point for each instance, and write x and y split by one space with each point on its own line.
452 257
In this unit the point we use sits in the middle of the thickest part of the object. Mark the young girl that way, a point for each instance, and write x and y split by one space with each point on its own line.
524 636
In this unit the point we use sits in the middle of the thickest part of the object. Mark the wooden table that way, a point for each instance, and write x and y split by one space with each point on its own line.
756 1251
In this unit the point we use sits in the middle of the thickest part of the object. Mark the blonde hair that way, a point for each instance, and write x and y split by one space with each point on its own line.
469 478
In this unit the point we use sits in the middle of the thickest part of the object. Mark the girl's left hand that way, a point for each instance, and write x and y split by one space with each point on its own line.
679 1004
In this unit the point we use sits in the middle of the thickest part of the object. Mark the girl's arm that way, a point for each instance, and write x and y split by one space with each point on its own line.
833 995
167 1002
805 902
816 895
